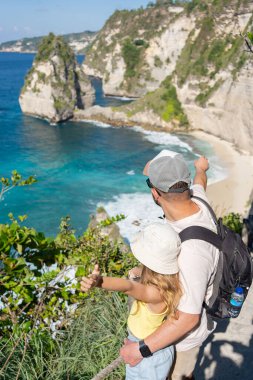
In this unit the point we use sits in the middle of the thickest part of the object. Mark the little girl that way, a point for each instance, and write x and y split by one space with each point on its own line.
156 296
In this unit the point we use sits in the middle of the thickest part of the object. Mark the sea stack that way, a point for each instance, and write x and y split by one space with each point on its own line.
55 85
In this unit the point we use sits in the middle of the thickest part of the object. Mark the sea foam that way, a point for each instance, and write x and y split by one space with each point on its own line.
162 138
99 124
139 210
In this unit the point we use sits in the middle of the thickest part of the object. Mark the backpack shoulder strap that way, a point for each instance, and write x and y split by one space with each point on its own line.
208 207
201 233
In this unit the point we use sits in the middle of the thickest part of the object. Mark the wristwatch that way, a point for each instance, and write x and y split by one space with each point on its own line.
144 349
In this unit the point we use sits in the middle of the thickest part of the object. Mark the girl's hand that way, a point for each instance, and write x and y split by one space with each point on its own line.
92 281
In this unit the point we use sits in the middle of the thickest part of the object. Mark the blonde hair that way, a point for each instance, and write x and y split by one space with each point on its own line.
168 286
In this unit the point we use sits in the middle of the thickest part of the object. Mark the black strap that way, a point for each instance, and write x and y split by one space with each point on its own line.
201 233
208 207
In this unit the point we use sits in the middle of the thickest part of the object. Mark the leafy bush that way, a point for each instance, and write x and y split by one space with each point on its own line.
54 45
16 179
157 61
139 42
40 298
131 55
233 221
163 102
172 108
39 274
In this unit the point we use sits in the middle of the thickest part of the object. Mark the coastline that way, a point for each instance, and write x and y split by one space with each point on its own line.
233 193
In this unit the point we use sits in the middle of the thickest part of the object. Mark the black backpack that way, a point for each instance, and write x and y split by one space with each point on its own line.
234 266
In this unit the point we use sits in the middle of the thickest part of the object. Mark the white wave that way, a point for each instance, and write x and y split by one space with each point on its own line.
131 172
216 172
123 98
139 209
99 124
162 138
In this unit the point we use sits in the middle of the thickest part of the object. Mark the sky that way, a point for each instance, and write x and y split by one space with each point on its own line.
30 18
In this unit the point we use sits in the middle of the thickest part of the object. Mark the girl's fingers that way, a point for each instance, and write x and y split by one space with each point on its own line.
96 270
86 283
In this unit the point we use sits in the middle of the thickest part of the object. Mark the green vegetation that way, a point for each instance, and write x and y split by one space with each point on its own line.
35 287
191 5
61 104
131 55
41 76
172 107
54 45
40 298
207 54
79 352
48 328
163 102
15 180
203 97
124 28
157 61
210 51
63 77
140 42
233 221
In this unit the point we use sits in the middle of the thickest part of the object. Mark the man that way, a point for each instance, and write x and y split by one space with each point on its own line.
169 181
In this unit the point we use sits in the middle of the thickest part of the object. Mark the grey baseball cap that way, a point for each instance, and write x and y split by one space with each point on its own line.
166 169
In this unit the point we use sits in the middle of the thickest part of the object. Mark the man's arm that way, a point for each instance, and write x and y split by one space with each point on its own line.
168 333
201 167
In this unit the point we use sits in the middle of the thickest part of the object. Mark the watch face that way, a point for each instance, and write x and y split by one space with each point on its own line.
144 349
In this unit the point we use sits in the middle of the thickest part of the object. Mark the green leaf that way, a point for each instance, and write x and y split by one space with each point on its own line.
22 217
250 36
80 272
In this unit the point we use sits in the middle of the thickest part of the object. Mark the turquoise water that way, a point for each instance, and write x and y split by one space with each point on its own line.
78 165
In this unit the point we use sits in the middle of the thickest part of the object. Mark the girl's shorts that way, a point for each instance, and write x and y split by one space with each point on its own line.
155 367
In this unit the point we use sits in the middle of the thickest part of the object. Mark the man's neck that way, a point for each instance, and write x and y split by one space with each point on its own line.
174 211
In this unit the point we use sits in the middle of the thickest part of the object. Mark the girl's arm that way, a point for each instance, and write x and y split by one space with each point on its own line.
145 293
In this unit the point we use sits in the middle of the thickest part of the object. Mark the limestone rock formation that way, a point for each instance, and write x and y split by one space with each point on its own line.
55 86
188 64
136 50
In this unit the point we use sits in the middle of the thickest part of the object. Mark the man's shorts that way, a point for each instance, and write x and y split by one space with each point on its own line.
184 363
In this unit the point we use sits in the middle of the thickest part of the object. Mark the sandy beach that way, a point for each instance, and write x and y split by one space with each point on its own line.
232 194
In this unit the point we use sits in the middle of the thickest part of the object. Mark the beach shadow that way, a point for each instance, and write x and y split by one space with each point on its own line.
224 359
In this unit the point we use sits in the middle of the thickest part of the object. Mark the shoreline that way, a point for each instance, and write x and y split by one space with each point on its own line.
233 193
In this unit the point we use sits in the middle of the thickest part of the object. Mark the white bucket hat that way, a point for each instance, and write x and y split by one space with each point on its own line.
157 247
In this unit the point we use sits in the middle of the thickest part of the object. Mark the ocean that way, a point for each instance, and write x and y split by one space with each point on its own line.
79 165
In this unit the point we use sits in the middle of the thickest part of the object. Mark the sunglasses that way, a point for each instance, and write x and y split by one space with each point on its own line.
180 190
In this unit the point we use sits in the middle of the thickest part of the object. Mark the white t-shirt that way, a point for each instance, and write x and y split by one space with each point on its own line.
197 267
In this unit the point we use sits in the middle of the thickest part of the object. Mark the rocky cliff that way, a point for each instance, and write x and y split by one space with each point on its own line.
188 64
55 86
136 50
